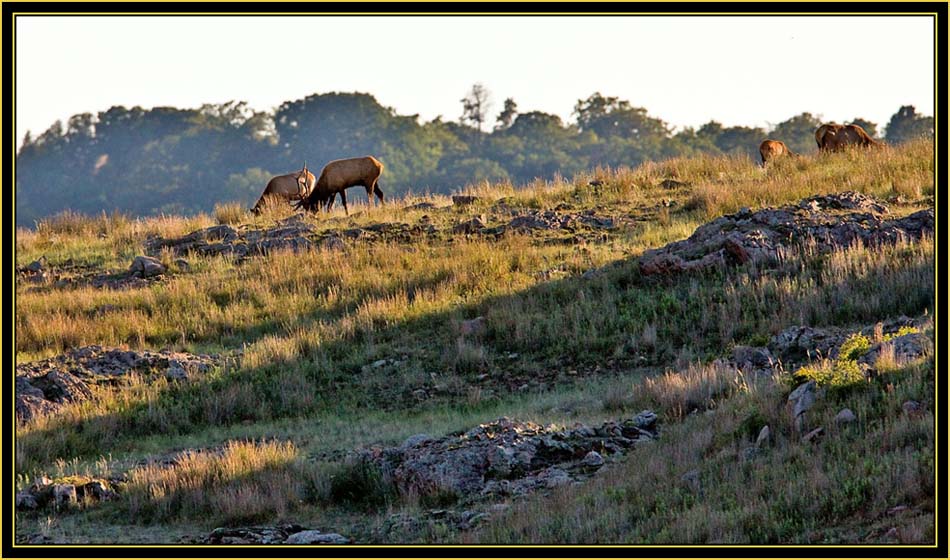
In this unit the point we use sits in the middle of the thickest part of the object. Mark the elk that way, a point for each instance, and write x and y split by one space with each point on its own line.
292 186
833 137
771 149
341 174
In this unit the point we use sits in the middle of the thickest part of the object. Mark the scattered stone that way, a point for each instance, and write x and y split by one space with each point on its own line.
146 267
254 535
828 222
183 265
421 206
504 457
814 435
379 363
749 357
845 417
764 437
42 387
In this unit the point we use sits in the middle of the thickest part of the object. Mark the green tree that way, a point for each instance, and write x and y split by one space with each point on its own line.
906 124
798 132
507 115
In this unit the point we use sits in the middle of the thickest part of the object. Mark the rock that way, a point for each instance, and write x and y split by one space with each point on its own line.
749 356
96 490
64 495
766 235
645 420
316 537
42 387
37 265
415 440
146 267
176 371
905 348
379 363
764 437
593 459
26 501
814 435
473 327
465 200
845 416
802 399
892 535
474 225
504 457
333 244
911 407
183 265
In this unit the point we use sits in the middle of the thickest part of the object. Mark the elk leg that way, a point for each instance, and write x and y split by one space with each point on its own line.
343 196
379 193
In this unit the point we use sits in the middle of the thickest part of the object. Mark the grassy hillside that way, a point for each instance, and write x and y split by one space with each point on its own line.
326 351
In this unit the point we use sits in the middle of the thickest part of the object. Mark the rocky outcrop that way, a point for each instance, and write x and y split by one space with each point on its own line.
798 344
42 387
828 222
554 220
63 494
506 457
289 234
290 534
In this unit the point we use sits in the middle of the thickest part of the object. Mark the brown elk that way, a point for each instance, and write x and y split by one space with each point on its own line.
771 149
292 186
341 174
834 137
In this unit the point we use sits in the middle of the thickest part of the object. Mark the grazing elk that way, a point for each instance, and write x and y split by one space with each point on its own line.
292 186
834 137
341 174
771 149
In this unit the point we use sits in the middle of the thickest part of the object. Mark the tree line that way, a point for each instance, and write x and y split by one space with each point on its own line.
183 161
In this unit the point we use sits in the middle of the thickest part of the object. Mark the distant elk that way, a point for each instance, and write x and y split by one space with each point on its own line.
834 137
341 174
771 149
289 187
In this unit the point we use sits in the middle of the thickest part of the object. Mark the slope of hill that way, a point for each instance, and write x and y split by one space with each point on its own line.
267 376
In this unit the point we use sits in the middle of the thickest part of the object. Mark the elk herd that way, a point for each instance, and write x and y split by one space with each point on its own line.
315 193
831 137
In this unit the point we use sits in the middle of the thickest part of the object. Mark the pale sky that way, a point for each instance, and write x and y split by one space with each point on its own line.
752 71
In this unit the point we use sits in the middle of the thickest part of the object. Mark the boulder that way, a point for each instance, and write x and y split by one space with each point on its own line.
764 437
465 200
845 416
146 267
475 225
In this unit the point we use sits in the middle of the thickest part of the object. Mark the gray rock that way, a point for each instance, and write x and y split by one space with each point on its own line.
745 356
146 267
593 459
646 420
316 537
334 244
26 501
474 225
764 437
414 440
64 495
766 234
845 416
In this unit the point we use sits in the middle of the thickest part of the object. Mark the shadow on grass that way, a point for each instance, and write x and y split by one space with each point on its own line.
559 324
